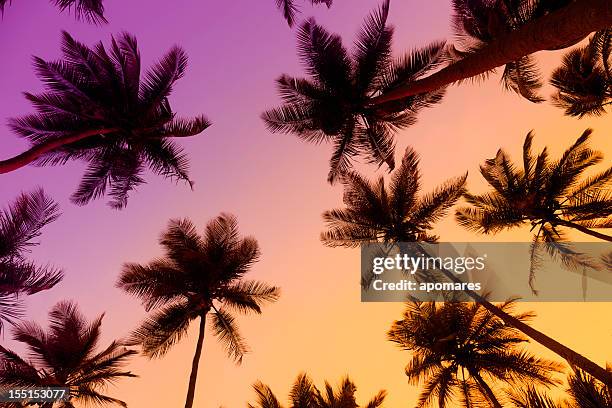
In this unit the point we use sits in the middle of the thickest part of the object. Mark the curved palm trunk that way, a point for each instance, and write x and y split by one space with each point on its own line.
559 28
196 361
487 390
572 357
37 151
585 230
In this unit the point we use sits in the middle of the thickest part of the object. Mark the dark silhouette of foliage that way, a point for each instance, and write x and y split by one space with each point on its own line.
91 11
126 117
584 79
304 394
332 106
394 213
65 355
200 277
548 195
20 225
460 350
290 9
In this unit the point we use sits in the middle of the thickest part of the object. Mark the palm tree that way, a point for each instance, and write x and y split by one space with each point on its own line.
584 392
304 394
374 214
556 24
99 109
91 11
199 277
20 225
290 9
584 80
548 196
461 349
65 355
331 105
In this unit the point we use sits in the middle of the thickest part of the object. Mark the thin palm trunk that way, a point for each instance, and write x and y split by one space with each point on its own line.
196 361
557 29
585 230
37 151
488 391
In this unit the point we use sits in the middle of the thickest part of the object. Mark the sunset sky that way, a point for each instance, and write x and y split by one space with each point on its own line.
276 186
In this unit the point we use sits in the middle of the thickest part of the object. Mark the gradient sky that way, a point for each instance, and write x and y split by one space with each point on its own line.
275 185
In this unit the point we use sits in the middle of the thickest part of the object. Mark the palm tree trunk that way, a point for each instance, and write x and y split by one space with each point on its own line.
561 27
572 357
487 390
37 151
196 361
585 230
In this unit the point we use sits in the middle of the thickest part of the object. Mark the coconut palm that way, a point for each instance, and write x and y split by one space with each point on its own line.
377 214
546 195
91 11
332 105
583 391
20 225
463 350
290 9
304 394
98 108
65 355
584 79
513 30
199 278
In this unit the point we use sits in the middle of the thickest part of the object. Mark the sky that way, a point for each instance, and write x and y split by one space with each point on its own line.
276 186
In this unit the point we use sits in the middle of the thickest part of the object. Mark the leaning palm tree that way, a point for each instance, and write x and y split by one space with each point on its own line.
20 225
304 394
98 108
376 214
290 9
584 79
332 105
462 350
91 11
199 278
546 195
65 355
536 25
583 391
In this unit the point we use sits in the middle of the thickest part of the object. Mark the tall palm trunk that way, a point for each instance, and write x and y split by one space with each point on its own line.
196 361
561 27
487 390
572 357
37 151
585 230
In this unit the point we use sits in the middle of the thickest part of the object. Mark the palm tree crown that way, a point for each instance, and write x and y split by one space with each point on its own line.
304 394
65 355
392 214
199 277
91 11
333 104
460 349
20 225
584 79
127 119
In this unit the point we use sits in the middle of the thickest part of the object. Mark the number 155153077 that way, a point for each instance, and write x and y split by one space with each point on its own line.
46 394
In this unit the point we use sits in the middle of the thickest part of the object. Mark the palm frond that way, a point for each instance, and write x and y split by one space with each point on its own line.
226 330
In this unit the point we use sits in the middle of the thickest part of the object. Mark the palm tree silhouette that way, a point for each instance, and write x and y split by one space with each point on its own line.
584 79
583 391
290 9
461 349
304 394
547 195
20 225
331 106
375 214
199 277
91 11
99 109
65 355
